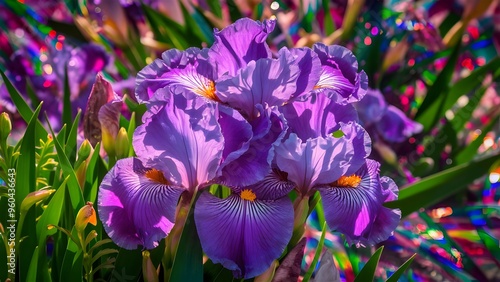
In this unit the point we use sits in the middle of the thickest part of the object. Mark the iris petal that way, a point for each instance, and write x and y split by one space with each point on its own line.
181 70
360 205
340 79
184 138
396 127
238 44
244 236
317 115
265 81
134 209
318 160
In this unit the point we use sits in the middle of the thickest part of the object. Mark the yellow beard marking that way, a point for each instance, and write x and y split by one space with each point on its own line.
248 195
208 91
351 181
156 176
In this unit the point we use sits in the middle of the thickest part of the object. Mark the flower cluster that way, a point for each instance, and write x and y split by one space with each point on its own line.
266 125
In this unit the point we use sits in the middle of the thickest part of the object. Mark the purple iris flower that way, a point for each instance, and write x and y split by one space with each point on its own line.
340 79
179 148
383 120
353 205
311 155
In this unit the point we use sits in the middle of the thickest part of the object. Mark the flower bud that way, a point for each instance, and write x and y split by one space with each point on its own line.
5 126
81 173
34 197
122 145
85 216
148 269
386 153
85 150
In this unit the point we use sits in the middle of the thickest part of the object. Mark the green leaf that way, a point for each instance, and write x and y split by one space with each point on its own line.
128 265
368 271
433 105
71 142
216 272
72 266
68 29
166 30
464 114
317 255
32 270
188 261
434 188
490 242
215 8
22 107
75 192
66 112
396 275
328 22
234 12
469 152
196 26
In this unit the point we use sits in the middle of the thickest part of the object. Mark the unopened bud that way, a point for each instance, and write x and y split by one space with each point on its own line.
122 145
34 197
85 150
85 216
5 126
386 153
148 269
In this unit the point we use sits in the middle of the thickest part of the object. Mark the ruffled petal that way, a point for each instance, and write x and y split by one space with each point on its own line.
319 160
310 69
255 163
238 44
317 115
184 138
396 127
352 203
136 205
340 79
244 236
237 132
180 70
360 143
265 81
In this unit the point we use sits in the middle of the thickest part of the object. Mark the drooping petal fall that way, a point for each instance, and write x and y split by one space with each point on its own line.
243 233
137 204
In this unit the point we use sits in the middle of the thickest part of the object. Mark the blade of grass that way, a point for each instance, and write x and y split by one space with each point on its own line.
368 271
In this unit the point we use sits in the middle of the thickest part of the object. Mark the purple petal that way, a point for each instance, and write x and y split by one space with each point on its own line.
360 143
255 163
310 68
351 206
136 204
244 236
396 127
317 115
266 81
237 133
317 161
185 138
340 79
182 70
387 219
238 44
275 185
372 107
